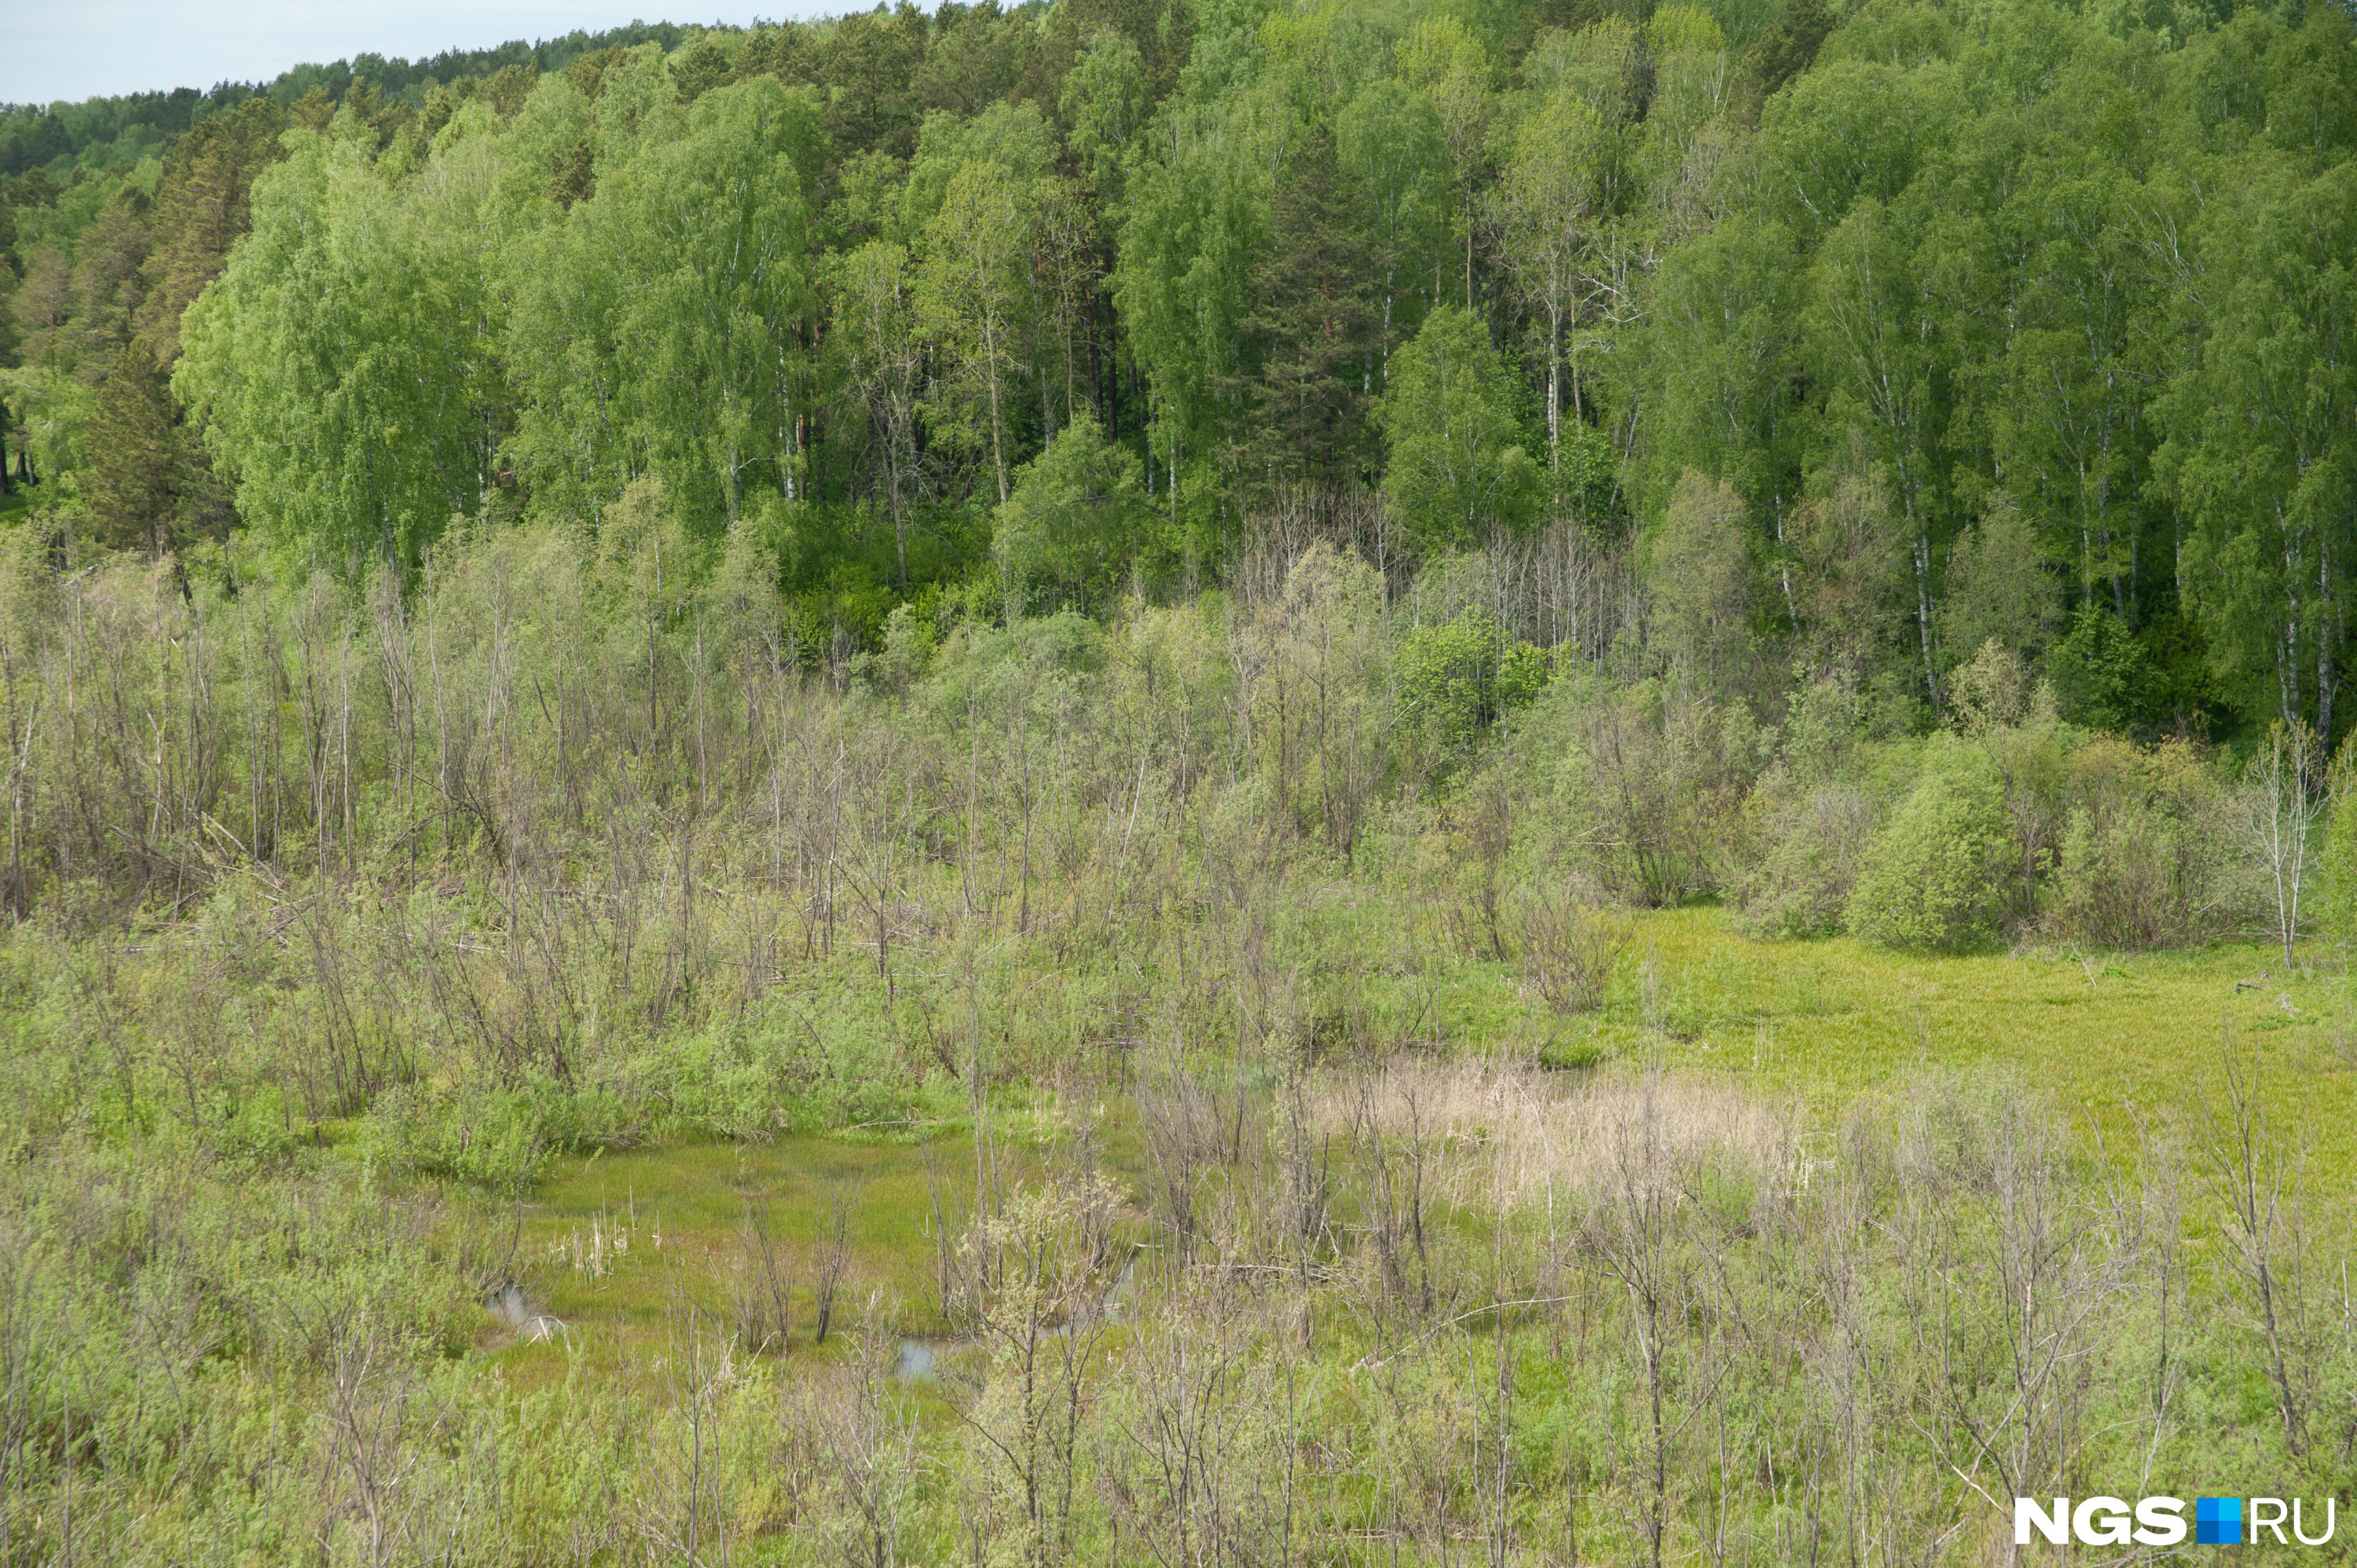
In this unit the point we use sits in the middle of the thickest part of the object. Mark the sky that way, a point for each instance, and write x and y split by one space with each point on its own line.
72 50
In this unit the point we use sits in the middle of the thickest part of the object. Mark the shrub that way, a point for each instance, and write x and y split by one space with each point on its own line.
497 1140
1076 521
1811 816
825 1052
1928 880
2101 676
1458 677
1570 951
1699 576
2340 890
1813 845
2147 860
1666 771
1633 791
1999 590
2009 719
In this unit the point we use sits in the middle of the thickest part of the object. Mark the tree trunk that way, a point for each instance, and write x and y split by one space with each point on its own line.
997 442
1555 389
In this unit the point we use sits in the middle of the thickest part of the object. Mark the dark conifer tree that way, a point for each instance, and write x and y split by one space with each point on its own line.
1304 402
202 207
148 484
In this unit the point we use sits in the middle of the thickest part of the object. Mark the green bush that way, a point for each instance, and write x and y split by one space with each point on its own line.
1458 677
1811 816
1811 848
1077 521
826 1054
1929 881
2147 860
2102 678
497 1140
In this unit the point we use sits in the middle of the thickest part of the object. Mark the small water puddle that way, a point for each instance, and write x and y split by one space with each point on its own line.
918 1359
532 1326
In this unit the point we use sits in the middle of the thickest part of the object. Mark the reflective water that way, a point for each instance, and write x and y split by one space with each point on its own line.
530 1325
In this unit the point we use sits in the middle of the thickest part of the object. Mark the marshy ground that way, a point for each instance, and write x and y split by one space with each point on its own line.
610 1242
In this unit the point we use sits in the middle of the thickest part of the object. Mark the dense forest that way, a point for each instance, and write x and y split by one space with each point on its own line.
2038 288
1183 781
119 132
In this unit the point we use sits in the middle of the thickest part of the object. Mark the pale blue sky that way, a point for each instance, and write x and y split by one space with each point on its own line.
72 50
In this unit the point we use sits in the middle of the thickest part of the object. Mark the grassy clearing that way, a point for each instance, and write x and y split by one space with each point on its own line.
2107 1035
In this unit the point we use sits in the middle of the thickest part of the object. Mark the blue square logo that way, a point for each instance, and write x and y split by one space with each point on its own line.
2218 1522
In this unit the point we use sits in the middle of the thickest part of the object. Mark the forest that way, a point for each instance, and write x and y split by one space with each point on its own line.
119 132
1187 782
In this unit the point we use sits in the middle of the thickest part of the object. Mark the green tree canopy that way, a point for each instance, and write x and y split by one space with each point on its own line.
1076 523
661 325
1458 471
346 364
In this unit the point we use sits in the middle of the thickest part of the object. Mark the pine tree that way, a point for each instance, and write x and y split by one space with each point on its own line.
148 485
202 205
1310 332
1782 51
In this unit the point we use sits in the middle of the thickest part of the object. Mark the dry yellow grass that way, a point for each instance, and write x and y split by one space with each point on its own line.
1508 1132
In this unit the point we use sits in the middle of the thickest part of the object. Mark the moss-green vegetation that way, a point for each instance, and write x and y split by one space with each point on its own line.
2102 1033
478 1034
1217 782
2105 1038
